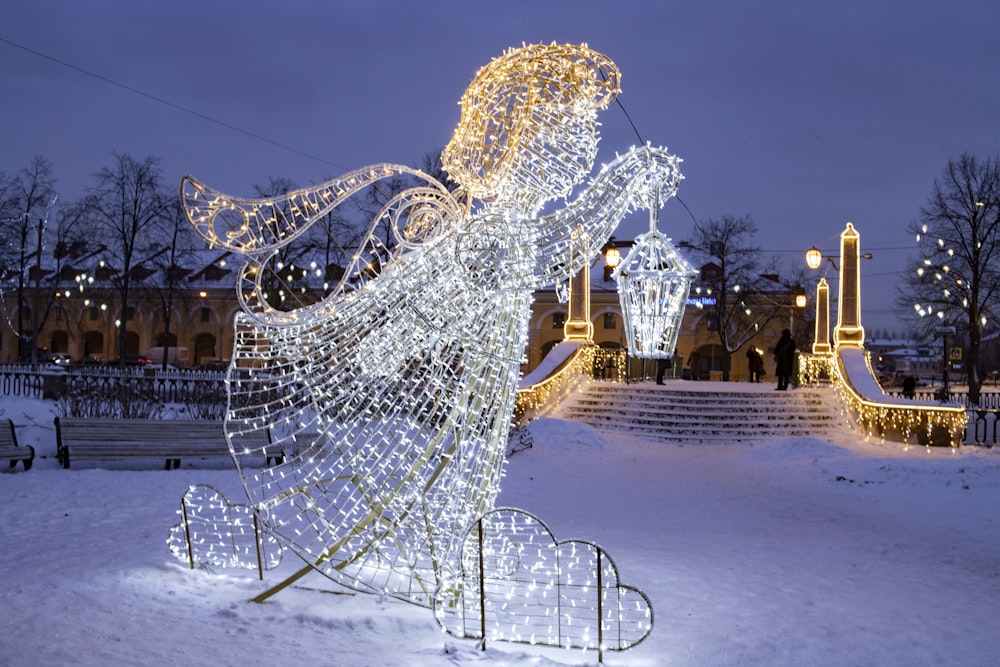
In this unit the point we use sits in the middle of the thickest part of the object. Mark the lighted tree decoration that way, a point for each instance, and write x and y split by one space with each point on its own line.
397 389
654 281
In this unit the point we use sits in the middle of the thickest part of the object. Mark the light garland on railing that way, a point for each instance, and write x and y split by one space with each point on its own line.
395 392
882 420
535 398
615 360
815 368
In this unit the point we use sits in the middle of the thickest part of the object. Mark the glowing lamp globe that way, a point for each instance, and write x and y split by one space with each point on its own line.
613 257
654 281
814 258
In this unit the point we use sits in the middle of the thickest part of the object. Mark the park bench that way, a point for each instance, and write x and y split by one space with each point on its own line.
10 450
168 439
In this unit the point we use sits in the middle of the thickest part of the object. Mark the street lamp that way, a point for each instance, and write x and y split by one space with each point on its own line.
815 257
799 304
612 258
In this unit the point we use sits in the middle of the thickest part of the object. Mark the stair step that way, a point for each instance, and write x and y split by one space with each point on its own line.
692 412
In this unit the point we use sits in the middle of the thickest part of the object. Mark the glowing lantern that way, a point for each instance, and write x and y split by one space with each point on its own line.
654 281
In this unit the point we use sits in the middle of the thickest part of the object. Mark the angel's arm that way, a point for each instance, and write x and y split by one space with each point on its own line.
257 227
644 177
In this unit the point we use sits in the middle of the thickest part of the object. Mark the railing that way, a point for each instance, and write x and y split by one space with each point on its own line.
180 386
534 399
618 365
171 386
987 400
982 428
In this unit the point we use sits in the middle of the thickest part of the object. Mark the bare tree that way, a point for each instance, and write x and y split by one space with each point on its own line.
177 241
29 199
431 165
284 278
125 207
732 273
955 278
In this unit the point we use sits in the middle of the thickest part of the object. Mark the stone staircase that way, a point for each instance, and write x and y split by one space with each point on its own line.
686 412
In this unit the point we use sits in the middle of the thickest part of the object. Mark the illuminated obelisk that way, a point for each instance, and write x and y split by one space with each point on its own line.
849 331
821 344
578 325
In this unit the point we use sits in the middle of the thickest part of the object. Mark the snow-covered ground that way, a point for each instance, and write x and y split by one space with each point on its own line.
795 552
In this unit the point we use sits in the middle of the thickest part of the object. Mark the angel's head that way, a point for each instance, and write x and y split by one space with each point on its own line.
529 122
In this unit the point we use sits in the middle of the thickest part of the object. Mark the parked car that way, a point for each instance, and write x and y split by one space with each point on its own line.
57 359
214 365
136 360
92 360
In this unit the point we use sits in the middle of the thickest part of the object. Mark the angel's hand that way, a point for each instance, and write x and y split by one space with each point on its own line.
653 176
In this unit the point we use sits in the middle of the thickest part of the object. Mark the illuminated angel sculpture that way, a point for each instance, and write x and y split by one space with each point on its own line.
396 390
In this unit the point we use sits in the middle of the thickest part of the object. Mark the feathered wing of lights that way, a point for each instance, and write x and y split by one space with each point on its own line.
654 282
395 392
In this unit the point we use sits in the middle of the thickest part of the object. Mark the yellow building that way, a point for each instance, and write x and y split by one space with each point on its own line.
85 323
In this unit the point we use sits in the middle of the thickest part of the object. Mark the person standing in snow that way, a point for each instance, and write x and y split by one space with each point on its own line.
784 359
755 364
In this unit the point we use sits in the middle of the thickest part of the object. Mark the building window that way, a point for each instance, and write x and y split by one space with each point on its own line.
610 320
206 315
95 313
559 320
129 314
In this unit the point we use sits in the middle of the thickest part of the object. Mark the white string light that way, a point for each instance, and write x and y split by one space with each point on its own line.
654 282
520 584
395 392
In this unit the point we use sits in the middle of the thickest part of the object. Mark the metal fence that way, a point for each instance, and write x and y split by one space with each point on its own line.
184 386
171 386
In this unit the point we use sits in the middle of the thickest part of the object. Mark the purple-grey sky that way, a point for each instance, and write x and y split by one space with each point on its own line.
804 115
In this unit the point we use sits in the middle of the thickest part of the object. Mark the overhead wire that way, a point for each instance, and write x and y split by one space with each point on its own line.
166 102
618 101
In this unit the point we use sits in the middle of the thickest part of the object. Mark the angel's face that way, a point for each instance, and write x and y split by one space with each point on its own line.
557 149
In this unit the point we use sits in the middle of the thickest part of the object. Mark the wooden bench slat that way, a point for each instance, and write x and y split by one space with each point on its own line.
172 440
10 450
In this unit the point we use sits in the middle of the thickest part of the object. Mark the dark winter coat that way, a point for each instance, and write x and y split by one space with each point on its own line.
784 355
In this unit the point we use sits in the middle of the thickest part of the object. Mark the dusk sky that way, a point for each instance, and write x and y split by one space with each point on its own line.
802 115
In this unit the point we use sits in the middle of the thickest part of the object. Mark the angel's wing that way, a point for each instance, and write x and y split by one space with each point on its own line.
257 227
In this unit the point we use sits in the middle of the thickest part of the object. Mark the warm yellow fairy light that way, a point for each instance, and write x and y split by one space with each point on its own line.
534 398
876 414
886 419
394 394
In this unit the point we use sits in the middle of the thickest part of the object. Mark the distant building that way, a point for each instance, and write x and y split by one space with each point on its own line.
86 322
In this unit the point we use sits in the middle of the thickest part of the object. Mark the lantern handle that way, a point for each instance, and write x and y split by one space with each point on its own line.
654 211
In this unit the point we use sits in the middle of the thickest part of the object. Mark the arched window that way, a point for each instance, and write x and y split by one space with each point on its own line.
204 347
166 339
131 342
59 342
93 343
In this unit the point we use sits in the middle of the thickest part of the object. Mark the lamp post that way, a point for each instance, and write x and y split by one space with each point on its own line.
944 331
